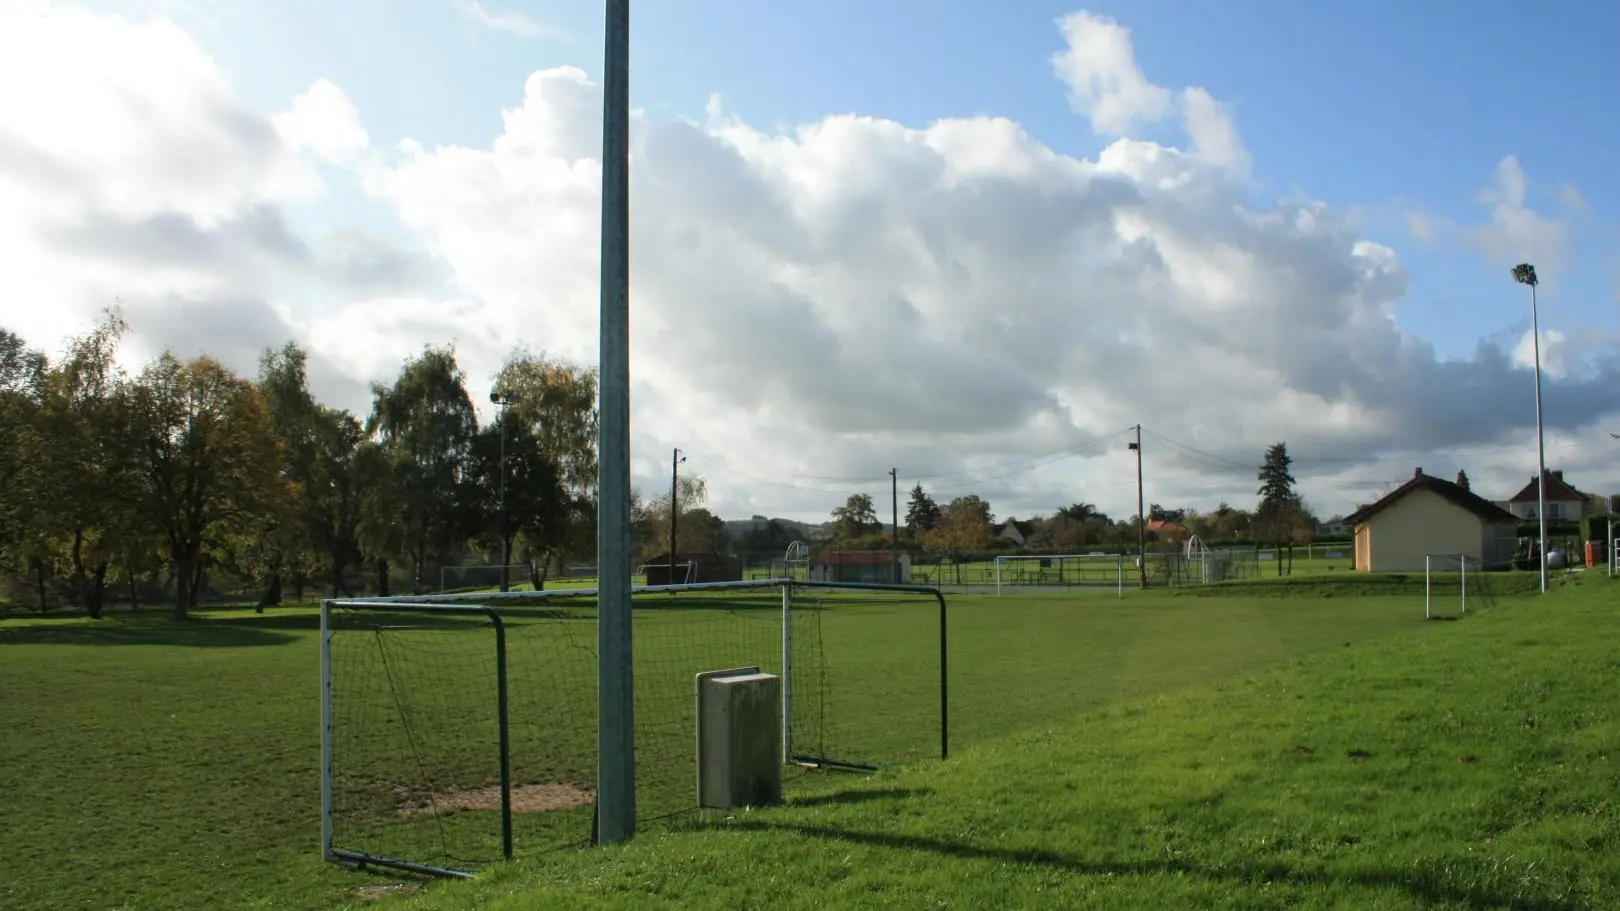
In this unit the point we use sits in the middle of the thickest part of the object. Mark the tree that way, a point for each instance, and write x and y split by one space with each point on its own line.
24 489
207 459
556 402
964 527
855 518
770 537
89 462
651 518
1157 513
537 506
285 542
425 426
1462 480
1279 506
334 496
922 513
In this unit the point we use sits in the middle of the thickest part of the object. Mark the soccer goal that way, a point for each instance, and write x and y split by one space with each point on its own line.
1446 578
457 730
1061 571
475 576
680 573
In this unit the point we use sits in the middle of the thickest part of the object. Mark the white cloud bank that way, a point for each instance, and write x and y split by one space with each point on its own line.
810 307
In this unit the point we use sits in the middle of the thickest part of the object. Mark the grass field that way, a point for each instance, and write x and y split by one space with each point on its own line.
1105 752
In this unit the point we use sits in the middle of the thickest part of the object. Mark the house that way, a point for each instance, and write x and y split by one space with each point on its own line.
1166 531
1014 531
859 566
1429 515
1332 528
1564 502
693 567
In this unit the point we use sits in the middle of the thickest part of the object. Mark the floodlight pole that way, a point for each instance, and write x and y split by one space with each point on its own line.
894 528
674 507
506 531
1141 515
1525 274
616 767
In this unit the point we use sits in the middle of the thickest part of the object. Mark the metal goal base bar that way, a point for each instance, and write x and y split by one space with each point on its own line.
360 859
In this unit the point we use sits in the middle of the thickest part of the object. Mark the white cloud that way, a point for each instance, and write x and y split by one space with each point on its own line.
324 121
1099 66
1554 352
809 306
1517 233
507 21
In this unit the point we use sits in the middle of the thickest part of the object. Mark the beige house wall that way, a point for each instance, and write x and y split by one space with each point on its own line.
1396 539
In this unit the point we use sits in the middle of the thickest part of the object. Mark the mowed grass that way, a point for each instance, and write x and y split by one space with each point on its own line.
1472 765
157 764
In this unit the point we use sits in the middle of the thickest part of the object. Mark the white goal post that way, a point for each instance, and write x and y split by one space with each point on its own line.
1118 561
1447 563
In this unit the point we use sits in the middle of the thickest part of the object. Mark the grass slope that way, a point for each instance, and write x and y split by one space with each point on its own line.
1472 766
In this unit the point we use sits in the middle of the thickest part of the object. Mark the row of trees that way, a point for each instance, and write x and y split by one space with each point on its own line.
966 523
112 482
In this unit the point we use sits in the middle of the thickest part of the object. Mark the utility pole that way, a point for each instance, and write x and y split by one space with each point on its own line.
675 461
1525 274
894 530
503 400
615 700
1141 515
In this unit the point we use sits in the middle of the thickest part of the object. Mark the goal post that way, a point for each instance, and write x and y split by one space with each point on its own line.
1062 571
461 729
1439 570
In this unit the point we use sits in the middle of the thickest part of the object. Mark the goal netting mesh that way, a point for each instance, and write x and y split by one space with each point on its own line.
415 693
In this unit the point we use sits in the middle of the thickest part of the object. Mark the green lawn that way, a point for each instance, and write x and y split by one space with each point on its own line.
174 765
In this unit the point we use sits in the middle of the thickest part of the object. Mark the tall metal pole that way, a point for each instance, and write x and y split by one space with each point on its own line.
675 461
1541 442
1141 516
501 400
616 768
894 529
506 518
1525 274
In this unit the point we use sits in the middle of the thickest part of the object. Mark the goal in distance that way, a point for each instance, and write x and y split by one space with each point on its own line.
1095 570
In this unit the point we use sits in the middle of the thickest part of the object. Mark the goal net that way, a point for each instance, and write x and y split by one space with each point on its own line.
1097 571
458 730
481 576
1452 584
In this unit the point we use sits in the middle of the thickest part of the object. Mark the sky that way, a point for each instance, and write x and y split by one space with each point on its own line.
975 243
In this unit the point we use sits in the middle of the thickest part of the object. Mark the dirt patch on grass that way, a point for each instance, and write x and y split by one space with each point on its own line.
380 891
527 798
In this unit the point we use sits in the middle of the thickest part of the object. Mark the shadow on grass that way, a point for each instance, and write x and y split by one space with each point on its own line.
1421 884
844 798
197 632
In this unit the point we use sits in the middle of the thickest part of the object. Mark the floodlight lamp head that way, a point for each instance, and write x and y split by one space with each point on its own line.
1525 274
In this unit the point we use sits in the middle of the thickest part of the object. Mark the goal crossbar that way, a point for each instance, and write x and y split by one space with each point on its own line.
1117 559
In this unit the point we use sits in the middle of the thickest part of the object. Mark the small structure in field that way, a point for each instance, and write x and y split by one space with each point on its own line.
1430 515
859 566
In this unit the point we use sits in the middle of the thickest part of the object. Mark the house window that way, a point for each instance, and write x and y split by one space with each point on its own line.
1553 510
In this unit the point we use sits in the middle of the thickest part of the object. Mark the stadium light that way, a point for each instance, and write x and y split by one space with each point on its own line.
1525 274
502 400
